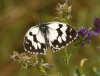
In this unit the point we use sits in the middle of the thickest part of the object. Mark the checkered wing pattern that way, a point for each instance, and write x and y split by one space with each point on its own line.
56 34
34 41
60 35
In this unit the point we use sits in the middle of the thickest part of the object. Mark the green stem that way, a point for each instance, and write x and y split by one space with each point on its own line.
66 61
67 68
75 48
73 51
67 58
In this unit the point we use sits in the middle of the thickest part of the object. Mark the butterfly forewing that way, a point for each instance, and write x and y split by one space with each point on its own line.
34 41
60 35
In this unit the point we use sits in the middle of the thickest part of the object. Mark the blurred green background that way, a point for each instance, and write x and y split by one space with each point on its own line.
14 25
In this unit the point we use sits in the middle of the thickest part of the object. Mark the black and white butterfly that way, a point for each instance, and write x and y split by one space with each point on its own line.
55 35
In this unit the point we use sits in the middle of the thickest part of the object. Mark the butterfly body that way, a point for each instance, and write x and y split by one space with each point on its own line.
55 35
44 31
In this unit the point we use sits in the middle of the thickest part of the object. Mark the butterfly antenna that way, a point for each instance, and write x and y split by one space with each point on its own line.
31 17
41 11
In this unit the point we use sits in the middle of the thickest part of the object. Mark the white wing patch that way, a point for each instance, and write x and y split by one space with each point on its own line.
53 25
59 40
63 37
53 34
40 37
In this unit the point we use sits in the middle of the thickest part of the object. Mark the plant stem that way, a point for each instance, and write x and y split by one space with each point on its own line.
67 68
67 58
66 61
72 51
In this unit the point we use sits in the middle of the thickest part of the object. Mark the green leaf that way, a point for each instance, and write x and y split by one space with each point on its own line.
96 70
78 72
58 74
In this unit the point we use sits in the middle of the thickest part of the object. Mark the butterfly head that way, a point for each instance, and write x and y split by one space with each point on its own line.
43 27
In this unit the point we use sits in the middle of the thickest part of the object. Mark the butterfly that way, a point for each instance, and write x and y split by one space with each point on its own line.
55 35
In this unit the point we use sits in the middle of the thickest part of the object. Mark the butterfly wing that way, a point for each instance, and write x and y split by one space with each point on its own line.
60 35
34 41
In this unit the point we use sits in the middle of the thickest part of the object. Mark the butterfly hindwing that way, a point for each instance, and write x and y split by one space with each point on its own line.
60 35
34 41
